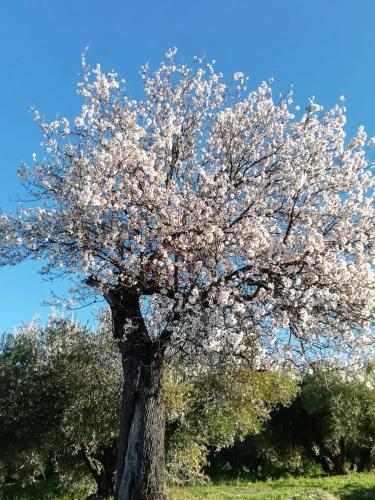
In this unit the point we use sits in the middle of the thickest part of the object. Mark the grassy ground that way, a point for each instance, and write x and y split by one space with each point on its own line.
352 487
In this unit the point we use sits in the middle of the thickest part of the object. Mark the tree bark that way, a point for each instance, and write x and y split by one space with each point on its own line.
339 462
322 460
339 466
140 459
102 466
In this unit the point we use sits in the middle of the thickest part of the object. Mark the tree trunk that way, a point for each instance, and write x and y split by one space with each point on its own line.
105 487
339 466
106 483
102 466
323 461
366 459
140 459
338 461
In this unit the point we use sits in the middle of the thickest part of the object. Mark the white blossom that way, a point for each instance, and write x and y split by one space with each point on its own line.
250 231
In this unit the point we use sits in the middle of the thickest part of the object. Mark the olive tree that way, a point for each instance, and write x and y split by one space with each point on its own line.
212 220
210 410
30 405
330 422
60 403
86 368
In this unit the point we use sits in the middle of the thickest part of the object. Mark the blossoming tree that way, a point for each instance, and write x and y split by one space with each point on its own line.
213 221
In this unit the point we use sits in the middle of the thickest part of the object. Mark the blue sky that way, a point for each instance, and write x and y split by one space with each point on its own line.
322 48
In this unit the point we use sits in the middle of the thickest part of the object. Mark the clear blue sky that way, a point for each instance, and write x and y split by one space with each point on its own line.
324 48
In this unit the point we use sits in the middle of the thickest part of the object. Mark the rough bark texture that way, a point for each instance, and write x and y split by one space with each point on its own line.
140 460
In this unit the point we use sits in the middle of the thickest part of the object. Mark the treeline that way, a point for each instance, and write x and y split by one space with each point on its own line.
60 389
328 428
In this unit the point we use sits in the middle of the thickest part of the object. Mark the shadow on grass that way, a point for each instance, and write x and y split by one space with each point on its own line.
355 492
46 490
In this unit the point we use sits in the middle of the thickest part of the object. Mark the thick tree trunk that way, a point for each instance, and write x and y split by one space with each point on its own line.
140 460
322 460
326 466
140 464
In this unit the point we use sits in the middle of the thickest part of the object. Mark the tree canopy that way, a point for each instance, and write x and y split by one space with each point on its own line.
246 223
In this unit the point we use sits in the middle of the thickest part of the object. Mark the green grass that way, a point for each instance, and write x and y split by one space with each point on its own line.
44 490
37 490
351 487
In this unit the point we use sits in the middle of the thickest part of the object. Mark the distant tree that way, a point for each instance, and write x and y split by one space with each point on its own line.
342 412
209 410
331 422
211 221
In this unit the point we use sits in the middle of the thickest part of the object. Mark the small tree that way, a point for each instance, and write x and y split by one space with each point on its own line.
86 367
341 414
211 221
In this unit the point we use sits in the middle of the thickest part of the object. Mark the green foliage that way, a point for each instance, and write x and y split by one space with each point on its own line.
87 366
329 427
330 423
62 394
46 490
335 406
341 411
60 404
209 409
30 406
60 401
